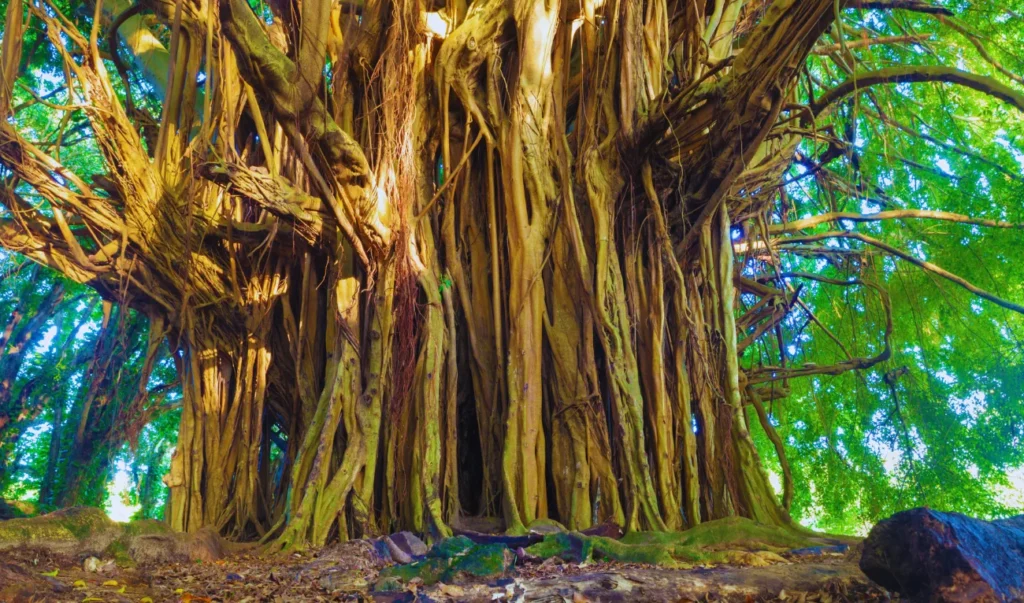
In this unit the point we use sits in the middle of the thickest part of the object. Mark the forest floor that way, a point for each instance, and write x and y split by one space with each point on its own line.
346 572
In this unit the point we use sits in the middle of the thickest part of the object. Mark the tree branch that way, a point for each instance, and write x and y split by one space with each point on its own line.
917 262
898 214
909 74
911 5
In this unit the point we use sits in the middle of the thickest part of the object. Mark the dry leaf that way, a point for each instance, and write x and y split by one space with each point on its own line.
451 590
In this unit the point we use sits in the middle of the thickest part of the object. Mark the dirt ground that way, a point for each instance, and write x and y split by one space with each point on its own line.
346 572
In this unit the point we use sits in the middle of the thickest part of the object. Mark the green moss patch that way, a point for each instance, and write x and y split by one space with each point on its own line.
449 560
712 542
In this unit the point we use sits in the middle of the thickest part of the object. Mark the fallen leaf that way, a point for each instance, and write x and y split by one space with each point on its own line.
145 600
52 574
451 590
88 599
110 583
179 591
80 584
122 589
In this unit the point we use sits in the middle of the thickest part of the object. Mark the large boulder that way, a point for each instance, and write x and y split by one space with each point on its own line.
929 555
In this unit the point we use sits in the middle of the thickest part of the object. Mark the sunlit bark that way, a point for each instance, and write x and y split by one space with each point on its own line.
509 240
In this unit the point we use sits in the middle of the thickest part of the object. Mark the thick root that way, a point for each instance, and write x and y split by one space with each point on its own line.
87 531
734 540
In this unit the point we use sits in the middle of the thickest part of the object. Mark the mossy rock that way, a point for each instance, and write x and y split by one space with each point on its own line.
482 561
451 547
546 526
450 560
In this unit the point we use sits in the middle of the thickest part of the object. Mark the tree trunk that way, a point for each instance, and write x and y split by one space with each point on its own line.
53 456
544 186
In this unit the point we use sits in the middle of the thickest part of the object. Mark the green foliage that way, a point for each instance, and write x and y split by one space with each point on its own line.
946 426
92 373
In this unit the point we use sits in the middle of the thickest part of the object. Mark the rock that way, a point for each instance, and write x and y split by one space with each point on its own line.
546 526
947 557
606 530
396 553
381 549
409 543
108 568
91 564
452 559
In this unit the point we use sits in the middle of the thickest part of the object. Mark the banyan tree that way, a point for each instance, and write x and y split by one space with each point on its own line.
422 259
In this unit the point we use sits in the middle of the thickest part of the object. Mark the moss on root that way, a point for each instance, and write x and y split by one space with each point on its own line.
89 530
60 530
733 540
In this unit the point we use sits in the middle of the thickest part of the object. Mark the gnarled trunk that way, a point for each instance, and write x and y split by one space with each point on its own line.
545 187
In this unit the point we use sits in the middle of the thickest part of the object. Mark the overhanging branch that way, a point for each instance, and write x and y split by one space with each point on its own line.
914 73
899 214
911 5
930 267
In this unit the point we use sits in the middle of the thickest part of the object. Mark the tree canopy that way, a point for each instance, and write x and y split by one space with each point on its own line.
651 262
